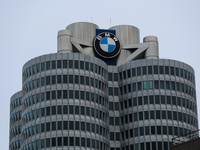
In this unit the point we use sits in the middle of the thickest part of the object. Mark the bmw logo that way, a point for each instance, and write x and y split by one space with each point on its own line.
107 45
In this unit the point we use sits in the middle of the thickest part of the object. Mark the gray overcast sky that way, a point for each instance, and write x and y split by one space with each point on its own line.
29 29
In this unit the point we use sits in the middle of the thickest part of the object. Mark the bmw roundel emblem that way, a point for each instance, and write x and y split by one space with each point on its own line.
107 45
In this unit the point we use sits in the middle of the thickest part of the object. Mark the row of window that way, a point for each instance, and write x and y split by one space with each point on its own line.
148 146
16 103
65 109
65 141
65 94
148 70
49 65
159 114
16 117
145 85
16 131
15 145
154 130
65 125
59 79
157 99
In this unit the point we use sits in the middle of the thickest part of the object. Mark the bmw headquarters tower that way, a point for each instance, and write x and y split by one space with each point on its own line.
105 90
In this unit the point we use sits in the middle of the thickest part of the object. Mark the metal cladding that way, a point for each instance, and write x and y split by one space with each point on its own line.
79 99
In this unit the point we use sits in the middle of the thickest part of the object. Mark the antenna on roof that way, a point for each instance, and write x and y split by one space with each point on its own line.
91 19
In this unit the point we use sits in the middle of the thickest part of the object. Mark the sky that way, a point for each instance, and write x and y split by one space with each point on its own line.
29 29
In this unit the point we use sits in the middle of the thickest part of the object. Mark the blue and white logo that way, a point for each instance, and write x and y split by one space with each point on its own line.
107 45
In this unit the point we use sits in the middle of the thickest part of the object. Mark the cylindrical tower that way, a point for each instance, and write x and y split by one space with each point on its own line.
127 35
65 103
157 102
15 121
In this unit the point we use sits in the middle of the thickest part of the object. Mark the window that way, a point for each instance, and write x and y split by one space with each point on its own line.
42 66
58 64
59 141
53 110
76 125
47 111
42 112
110 77
162 84
64 63
144 85
59 94
110 91
156 84
53 142
42 127
53 79
42 81
81 65
155 68
38 67
150 84
53 126
76 64
71 109
144 71
149 69
59 125
59 79
138 71
48 126
53 64
48 65
139 86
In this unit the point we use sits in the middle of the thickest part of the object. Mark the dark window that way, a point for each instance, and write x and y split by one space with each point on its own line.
48 95
53 64
47 111
58 63
47 65
59 79
149 69
166 69
71 141
53 110
133 72
138 71
70 63
65 141
76 64
152 129
144 71
172 70
65 125
59 94
155 68
59 141
110 77
48 126
53 79
59 125
64 78
53 126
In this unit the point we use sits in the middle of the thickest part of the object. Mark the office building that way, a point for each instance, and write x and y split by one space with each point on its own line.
103 89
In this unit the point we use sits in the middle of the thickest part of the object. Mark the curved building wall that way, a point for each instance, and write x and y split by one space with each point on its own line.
65 102
15 121
157 102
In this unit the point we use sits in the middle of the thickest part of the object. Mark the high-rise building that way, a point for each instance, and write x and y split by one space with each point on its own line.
104 90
